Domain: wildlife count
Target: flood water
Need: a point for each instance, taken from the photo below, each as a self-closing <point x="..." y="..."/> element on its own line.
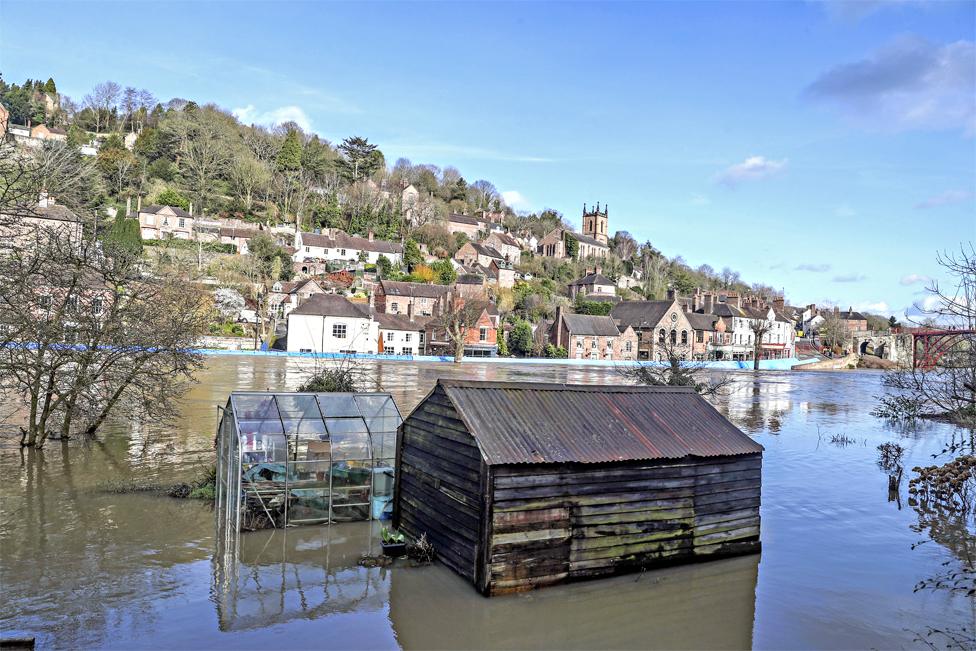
<point x="82" y="566"/>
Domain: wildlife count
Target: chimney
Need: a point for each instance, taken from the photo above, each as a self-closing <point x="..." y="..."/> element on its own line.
<point x="370" y="235"/>
<point x="670" y="293"/>
<point x="779" y="303"/>
<point x="139" y="203"/>
<point x="410" y="311"/>
<point x="128" y="206"/>
<point x="191" y="209"/>
<point x="709" y="303"/>
<point x="42" y="200"/>
<point x="558" y="325"/>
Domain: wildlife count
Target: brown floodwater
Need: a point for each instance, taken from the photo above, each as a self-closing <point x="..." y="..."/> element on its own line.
<point x="84" y="567"/>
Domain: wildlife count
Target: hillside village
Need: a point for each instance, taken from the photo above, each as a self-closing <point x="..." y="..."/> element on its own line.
<point x="315" y="248"/>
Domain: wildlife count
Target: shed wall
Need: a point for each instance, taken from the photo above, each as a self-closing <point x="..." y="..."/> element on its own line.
<point x="439" y="484"/>
<point x="553" y="523"/>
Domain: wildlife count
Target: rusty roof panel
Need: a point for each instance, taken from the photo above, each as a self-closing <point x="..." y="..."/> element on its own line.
<point x="556" y="423"/>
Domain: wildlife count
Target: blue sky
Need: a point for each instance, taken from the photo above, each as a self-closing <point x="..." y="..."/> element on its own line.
<point x="828" y="148"/>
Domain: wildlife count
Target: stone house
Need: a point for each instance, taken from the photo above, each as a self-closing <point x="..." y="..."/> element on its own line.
<point x="334" y="245"/>
<point x="411" y="299"/>
<point x="46" y="218"/>
<point x="162" y="222"/>
<point x="239" y="237"/>
<point x="593" y="337"/>
<point x="660" y="326"/>
<point x="286" y="296"/>
<point x="505" y="244"/>
<point x="473" y="253"/>
<point x="504" y="273"/>
<point x="593" y="283"/>
<point x="470" y="226"/>
<point x="553" y="245"/>
<point x="471" y="287"/>
<point x="44" y="132"/>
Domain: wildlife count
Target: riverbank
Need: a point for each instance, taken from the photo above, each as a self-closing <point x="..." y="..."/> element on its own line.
<point x="784" y="364"/>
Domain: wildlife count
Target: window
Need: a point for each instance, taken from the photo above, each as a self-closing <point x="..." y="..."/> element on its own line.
<point x="388" y="350"/>
<point x="629" y="346"/>
<point x="609" y="345"/>
<point x="308" y="249"/>
<point x="389" y="336"/>
<point x="339" y="330"/>
<point x="406" y="350"/>
<point x="579" y="344"/>
<point x="165" y="221"/>
<point x="45" y="302"/>
<point x="182" y="223"/>
<point x="96" y="306"/>
<point x="304" y="350"/>
<point x="699" y="336"/>
<point x="661" y="335"/>
<point x="342" y="253"/>
<point x="72" y="303"/>
<point x="395" y="308"/>
<point x="593" y="343"/>
<point x="684" y="337"/>
<point x="325" y="252"/>
<point x="674" y="337"/>
<point x="407" y="336"/>
<point x="483" y="334"/>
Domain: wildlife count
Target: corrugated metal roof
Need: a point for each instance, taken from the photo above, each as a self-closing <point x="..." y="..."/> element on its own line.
<point x="556" y="423"/>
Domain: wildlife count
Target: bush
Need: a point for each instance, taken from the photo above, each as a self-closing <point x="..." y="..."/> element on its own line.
<point x="594" y="308"/>
<point x="555" y="352"/>
<point x="520" y="338"/>
<point x="210" y="247"/>
<point x="171" y="197"/>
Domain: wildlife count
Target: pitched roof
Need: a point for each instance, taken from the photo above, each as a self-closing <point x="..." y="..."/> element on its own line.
<point x="155" y="208"/>
<point x="522" y="422"/>
<point x="397" y="322"/>
<point x="704" y="322"/>
<point x="332" y="305"/>
<point x="505" y="239"/>
<point x="590" y="325"/>
<point x="343" y="240"/>
<point x="243" y="233"/>
<point x="470" y="279"/>
<point x="483" y="249"/>
<point x="463" y="219"/>
<point x="592" y="279"/>
<point x="422" y="290"/>
<point x="851" y="315"/>
<point x="586" y="239"/>
<point x="640" y="314"/>
<point x="57" y="211"/>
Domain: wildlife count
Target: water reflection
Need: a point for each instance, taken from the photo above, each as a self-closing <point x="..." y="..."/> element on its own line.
<point x="313" y="573"/>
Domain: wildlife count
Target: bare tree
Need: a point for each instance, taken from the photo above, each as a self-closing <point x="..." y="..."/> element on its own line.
<point x="759" y="328"/>
<point x="948" y="387"/>
<point x="833" y="331"/>
<point x="129" y="104"/>
<point x="55" y="169"/>
<point x="101" y="100"/>
<point x="248" y="177"/>
<point x="677" y="373"/>
<point x="87" y="337"/>
<point x="457" y="322"/>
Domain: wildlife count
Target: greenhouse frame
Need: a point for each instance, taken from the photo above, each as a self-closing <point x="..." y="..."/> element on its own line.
<point x="287" y="459"/>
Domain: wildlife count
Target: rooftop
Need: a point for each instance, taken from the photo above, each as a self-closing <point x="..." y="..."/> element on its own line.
<point x="592" y="279"/>
<point x="422" y="290"/>
<point x="332" y="305"/>
<point x="521" y="422"/>
<point x="589" y="325"/>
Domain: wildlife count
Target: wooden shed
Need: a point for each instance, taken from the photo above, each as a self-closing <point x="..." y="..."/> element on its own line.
<point x="521" y="485"/>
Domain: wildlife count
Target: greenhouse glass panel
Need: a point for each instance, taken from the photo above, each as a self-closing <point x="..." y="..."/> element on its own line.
<point x="303" y="458"/>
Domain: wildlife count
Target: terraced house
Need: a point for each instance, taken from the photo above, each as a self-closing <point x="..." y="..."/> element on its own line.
<point x="593" y="337"/>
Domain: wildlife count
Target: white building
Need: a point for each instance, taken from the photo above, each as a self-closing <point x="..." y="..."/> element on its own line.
<point x="328" y="323"/>
<point x="399" y="335"/>
<point x="334" y="245"/>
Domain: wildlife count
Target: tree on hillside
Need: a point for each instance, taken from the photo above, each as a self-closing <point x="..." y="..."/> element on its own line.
<point x="206" y="153"/>
<point x="101" y="101"/>
<point x="50" y="88"/>
<point x="520" y="338"/>
<point x="289" y="157"/>
<point x="360" y="159"/>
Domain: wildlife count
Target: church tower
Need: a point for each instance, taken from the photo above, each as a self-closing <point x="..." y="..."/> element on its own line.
<point x="596" y="223"/>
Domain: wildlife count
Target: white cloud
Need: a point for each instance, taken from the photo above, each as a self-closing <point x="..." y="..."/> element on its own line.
<point x="947" y="198"/>
<point x="815" y="268"/>
<point x="751" y="169"/>
<point x="912" y="279"/>
<point x="909" y="84"/>
<point x="516" y="200"/>
<point x="879" y="307"/>
<point x="250" y="115"/>
<point x="850" y="278"/>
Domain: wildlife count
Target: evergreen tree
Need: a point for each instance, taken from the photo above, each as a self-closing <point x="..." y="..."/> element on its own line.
<point x="520" y="338"/>
<point x="359" y="158"/>
<point x="49" y="87"/>
<point x="289" y="157"/>
<point x="412" y="255"/>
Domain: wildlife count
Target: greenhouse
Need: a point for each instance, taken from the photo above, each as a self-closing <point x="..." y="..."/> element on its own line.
<point x="287" y="459"/>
